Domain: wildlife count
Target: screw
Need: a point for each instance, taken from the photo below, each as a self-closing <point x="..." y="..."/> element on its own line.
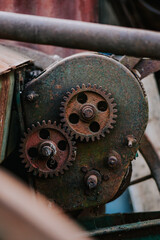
<point x="87" y="112"/>
<point x="92" y="181"/>
<point x="46" y="151"/>
<point x="112" y="162"/>
<point x="131" y="141"/>
<point x="31" y="96"/>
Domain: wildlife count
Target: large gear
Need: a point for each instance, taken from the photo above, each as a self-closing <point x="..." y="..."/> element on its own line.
<point x="47" y="150"/>
<point x="88" y="112"/>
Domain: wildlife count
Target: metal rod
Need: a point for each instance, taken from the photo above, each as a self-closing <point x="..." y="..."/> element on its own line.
<point x="126" y="228"/>
<point x="141" y="179"/>
<point x="80" y="35"/>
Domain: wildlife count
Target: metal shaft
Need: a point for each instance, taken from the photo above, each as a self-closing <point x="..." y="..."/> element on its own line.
<point x="80" y="35"/>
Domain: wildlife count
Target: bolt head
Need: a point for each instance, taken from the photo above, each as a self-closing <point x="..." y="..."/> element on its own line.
<point x="92" y="181"/>
<point x="87" y="112"/>
<point x="112" y="162"/>
<point x="46" y="151"/>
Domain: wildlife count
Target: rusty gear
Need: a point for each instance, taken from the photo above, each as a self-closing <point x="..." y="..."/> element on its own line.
<point x="47" y="150"/>
<point x="88" y="112"/>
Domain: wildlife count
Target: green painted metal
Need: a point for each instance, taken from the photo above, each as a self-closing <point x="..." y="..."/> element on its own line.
<point x="69" y="190"/>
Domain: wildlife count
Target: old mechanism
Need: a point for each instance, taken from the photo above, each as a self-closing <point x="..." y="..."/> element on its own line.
<point x="71" y="127"/>
<point x="103" y="112"/>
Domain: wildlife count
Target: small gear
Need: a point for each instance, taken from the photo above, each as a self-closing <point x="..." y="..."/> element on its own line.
<point x="88" y="112"/>
<point x="47" y="150"/>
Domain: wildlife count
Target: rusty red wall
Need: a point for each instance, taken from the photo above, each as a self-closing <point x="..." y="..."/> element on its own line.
<point x="83" y="10"/>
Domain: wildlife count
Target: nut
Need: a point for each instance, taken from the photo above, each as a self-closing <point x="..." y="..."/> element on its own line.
<point x="112" y="162"/>
<point x="92" y="181"/>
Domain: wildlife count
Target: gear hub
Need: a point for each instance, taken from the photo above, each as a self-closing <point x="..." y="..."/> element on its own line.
<point x="88" y="112"/>
<point x="47" y="149"/>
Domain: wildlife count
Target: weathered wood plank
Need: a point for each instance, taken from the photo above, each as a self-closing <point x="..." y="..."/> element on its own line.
<point x="6" y="96"/>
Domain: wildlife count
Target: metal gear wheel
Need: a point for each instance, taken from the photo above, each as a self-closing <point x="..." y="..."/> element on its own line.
<point x="47" y="150"/>
<point x="88" y="112"/>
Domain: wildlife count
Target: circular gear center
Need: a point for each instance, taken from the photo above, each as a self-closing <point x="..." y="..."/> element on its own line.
<point x="88" y="112"/>
<point x="47" y="149"/>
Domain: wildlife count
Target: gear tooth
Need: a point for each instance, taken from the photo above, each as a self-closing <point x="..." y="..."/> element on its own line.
<point x="100" y="87"/>
<point x="115" y="110"/>
<point x="25" y="134"/>
<point x="60" y="125"/>
<point x="23" y="161"/>
<point x="43" y="122"/>
<point x="92" y="137"/>
<point x="113" y="121"/>
<point x="114" y="104"/>
<point x="49" y="122"/>
<point x="111" y="100"/>
<point x="98" y="137"/>
<point x="63" y="120"/>
<point x="62" y="103"/>
<point x="62" y="109"/>
<point x="89" y="85"/>
<point x="27" y="165"/>
<point x="38" y="124"/>
<point x="21" y="145"/>
<point x="65" y="98"/>
<point x="45" y="175"/>
<point x="81" y="137"/>
<point x="28" y="130"/>
<point x="77" y="87"/>
<point x="95" y="86"/>
<point x="55" y="123"/>
<point x="68" y="93"/>
<point x="61" y="114"/>
<point x="73" y="143"/>
<point x="30" y="169"/>
<point x="83" y="86"/>
<point x="103" y="134"/>
<point x="87" y="139"/>
<point x="109" y="95"/>
<point x="33" y="126"/>
<point x="73" y="90"/>
<point x="114" y="116"/>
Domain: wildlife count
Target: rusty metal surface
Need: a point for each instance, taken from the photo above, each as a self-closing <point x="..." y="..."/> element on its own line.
<point x="151" y="158"/>
<point x="88" y="112"/>
<point x="26" y="215"/>
<point x="10" y="60"/>
<point x="77" y="10"/>
<point x="131" y="120"/>
<point x="47" y="149"/>
<point x="81" y="35"/>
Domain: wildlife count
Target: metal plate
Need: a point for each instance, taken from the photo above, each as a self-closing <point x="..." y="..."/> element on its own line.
<point x="69" y="190"/>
